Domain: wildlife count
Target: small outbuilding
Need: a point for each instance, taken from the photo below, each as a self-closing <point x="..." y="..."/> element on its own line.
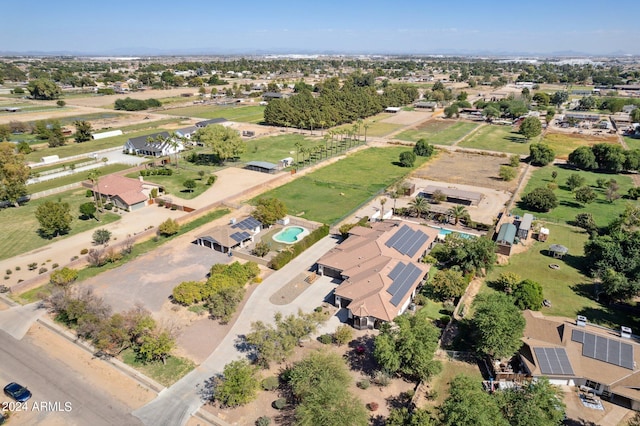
<point x="261" y="166"/>
<point x="104" y="135"/>
<point x="206" y="123"/>
<point x="525" y="226"/>
<point x="543" y="234"/>
<point x="558" y="251"/>
<point x="506" y="238"/>
<point x="392" y="110"/>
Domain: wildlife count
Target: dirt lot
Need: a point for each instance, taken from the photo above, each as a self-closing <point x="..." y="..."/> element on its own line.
<point x="360" y="369"/>
<point x="98" y="101"/>
<point x="469" y="169"/>
<point x="436" y="125"/>
<point x="408" y="117"/>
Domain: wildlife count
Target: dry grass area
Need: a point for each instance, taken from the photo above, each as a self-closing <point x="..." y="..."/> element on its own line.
<point x="465" y="168"/>
<point x="408" y="117"/>
<point x="564" y="143"/>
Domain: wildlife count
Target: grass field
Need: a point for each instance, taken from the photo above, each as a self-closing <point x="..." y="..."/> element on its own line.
<point x="275" y="148"/>
<point x="68" y="121"/>
<point x="330" y="193"/>
<point x="243" y="114"/>
<point x="72" y="148"/>
<point x="174" y="184"/>
<point x="603" y="211"/>
<point x="20" y="226"/>
<point x="567" y="288"/>
<point x="498" y="138"/>
<point x="438" y="132"/>
<point x="151" y="125"/>
<point x="632" y="143"/>
<point x="450" y="369"/>
<point x="564" y="144"/>
<point x="376" y="127"/>
<point x="76" y="177"/>
<point x="165" y="374"/>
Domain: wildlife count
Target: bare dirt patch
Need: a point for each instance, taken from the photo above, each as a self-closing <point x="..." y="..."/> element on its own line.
<point x="435" y="126"/>
<point x="93" y="370"/>
<point x="466" y="168"/>
<point x="407" y="117"/>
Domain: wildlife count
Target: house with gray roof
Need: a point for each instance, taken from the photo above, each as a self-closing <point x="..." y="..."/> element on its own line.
<point x="153" y="145"/>
<point x="506" y="238"/>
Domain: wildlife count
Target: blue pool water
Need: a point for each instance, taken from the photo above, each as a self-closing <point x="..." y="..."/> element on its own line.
<point x="288" y="235"/>
<point x="444" y="232"/>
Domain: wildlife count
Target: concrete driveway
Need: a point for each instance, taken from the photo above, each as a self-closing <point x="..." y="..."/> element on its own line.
<point x="150" y="279"/>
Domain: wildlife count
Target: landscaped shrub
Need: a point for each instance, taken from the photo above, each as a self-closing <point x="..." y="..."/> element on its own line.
<point x="381" y="378"/>
<point x="263" y="421"/>
<point x="364" y="384"/>
<point x="279" y="403"/>
<point x="325" y="339"/>
<point x="373" y="406"/>
<point x="9" y="272"/>
<point x="55" y="265"/>
<point x="270" y="383"/>
<point x="18" y="268"/>
<point x="42" y="270"/>
<point x="285" y="257"/>
<point x="33" y="266"/>
<point x="84" y="251"/>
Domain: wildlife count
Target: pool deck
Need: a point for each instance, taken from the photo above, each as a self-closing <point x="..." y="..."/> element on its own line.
<point x="298" y="236"/>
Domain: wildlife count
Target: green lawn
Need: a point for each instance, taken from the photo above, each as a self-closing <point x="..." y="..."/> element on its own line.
<point x="451" y="369"/>
<point x="603" y="211"/>
<point x="72" y="148"/>
<point x="376" y="126"/>
<point x="165" y="374"/>
<point x="330" y="193"/>
<point x="632" y="143"/>
<point x="497" y="138"/>
<point x="244" y="114"/>
<point x="563" y="144"/>
<point x="20" y="227"/>
<point x="275" y="148"/>
<point x="437" y="134"/>
<point x="567" y="288"/>
<point x="77" y="177"/>
<point x="174" y="184"/>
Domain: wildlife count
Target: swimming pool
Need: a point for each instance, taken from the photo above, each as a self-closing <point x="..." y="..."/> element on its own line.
<point x="290" y="235"/>
<point x="444" y="232"/>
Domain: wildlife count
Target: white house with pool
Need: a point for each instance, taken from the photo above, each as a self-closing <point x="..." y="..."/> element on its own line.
<point x="380" y="270"/>
<point x="237" y="234"/>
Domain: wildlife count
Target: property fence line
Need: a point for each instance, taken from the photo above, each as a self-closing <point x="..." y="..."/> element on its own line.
<point x="65" y="168"/>
<point x="57" y="190"/>
<point x="73" y="157"/>
<point x="355" y="209"/>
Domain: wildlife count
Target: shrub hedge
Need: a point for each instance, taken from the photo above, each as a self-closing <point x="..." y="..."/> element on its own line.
<point x="285" y="257"/>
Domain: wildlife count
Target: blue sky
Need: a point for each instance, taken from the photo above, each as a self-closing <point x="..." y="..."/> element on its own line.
<point x="392" y="26"/>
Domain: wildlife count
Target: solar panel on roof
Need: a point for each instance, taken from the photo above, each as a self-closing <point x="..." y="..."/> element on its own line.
<point x="394" y="274"/>
<point x="577" y="336"/>
<point x="407" y="241"/>
<point x="397" y="236"/>
<point x="553" y="361"/>
<point x="419" y="240"/>
<point x="603" y="349"/>
<point x="407" y="278"/>
<point x="589" y="345"/>
<point x="626" y="356"/>
<point x="248" y="223"/>
<point x="565" y="364"/>
<point x="240" y="236"/>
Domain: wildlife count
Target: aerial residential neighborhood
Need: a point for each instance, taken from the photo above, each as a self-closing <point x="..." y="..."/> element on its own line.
<point x="392" y="216"/>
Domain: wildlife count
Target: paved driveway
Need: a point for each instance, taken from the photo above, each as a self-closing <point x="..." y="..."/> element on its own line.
<point x="150" y="279"/>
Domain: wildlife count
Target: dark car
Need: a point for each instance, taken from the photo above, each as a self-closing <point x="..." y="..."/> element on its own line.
<point x="17" y="392"/>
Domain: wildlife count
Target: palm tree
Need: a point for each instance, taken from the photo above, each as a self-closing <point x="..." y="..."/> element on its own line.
<point x="301" y="125"/>
<point x="458" y="212"/>
<point x="419" y="206"/>
<point x="366" y="126"/>
<point x="326" y="145"/>
<point x="355" y="131"/>
<point x="394" y="194"/>
<point x="383" y="201"/>
<point x="93" y="176"/>
<point x="323" y="125"/>
<point x="359" y="127"/>
<point x="298" y="146"/>
<point x="318" y="150"/>
<point x="175" y="142"/>
<point x="311" y="123"/>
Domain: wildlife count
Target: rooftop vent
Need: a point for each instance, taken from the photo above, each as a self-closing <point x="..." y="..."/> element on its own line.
<point x="581" y="321"/>
<point x="625" y="332"/>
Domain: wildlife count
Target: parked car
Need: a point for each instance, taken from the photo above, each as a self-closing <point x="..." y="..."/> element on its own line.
<point x="17" y="392"/>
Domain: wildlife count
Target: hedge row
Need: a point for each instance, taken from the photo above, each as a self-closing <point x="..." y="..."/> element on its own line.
<point x="285" y="257"/>
<point x="159" y="171"/>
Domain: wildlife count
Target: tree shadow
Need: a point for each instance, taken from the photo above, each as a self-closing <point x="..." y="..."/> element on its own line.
<point x="571" y="204"/>
<point x="242" y="346"/>
<point x="516" y="139"/>
<point x="585" y="290"/>
<point x="398" y="401"/>
<point x="360" y="355"/>
<point x="206" y="389"/>
<point x="377" y="420"/>
<point x="611" y="315"/>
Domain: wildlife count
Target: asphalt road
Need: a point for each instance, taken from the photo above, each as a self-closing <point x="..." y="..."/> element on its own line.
<point x="51" y="382"/>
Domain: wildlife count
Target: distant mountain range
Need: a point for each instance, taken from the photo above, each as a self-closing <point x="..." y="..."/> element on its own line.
<point x="147" y="51"/>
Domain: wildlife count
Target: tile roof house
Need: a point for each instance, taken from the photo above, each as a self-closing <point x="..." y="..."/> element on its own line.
<point x="380" y="270"/>
<point x="235" y="234"/>
<point x="581" y="354"/>
<point x="125" y="193"/>
<point x="154" y="145"/>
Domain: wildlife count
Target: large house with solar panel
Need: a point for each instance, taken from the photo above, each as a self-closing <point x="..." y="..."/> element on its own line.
<point x="581" y="354"/>
<point x="154" y="145"/>
<point x="234" y="235"/>
<point x="380" y="270"/>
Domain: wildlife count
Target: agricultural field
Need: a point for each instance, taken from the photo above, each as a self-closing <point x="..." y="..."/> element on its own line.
<point x="498" y="138"/>
<point x="275" y="148"/>
<point x="243" y="114"/>
<point x="438" y="132"/>
<point x="20" y="226"/>
<point x="332" y="192"/>
<point x="563" y="144"/>
<point x="567" y="288"/>
<point x="603" y="211"/>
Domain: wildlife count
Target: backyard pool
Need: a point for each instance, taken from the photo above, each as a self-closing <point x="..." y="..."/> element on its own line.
<point x="290" y="235"/>
<point x="444" y="232"/>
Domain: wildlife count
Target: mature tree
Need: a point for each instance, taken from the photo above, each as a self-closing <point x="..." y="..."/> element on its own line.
<point x="451" y="111"/>
<point x="528" y="295"/>
<point x="419" y="206"/>
<point x="542" y="98"/>
<point x="537" y="404"/>
<point x="575" y="180"/>
<point x="224" y="297"/>
<point x="469" y="404"/>
<point x="618" y="287"/>
<point x="490" y="112"/>
<point x="585" y="195"/>
<point x="156" y="347"/>
<point x="583" y="158"/>
<point x="448" y="284"/>
<point x="408" y="349"/>
<point x="343" y="334"/>
<point x="13" y="174"/>
<point x="224" y="142"/>
<point x="63" y="277"/>
<point x="507" y="282"/>
<point x="498" y="325"/>
<point x="101" y="236"/>
<point x="404" y="417"/>
<point x="559" y="98"/>
<point x="44" y="89"/>
<point x="190" y="184"/>
<point x="54" y="218"/>
<point x="5" y="132"/>
<point x="238" y="385"/>
<point x="168" y="227"/>
<point x="586" y="222"/>
<point x="471" y="255"/>
<point x="530" y="127"/>
<point x="88" y="210"/>
<point x="407" y="159"/>
<point x="458" y="212"/>
<point x="423" y="149"/>
<point x="83" y="131"/>
<point x="611" y="193"/>
<point x="541" y="154"/>
<point x="609" y="157"/>
<point x="269" y="210"/>
<point x="507" y="173"/>
<point x="540" y="200"/>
